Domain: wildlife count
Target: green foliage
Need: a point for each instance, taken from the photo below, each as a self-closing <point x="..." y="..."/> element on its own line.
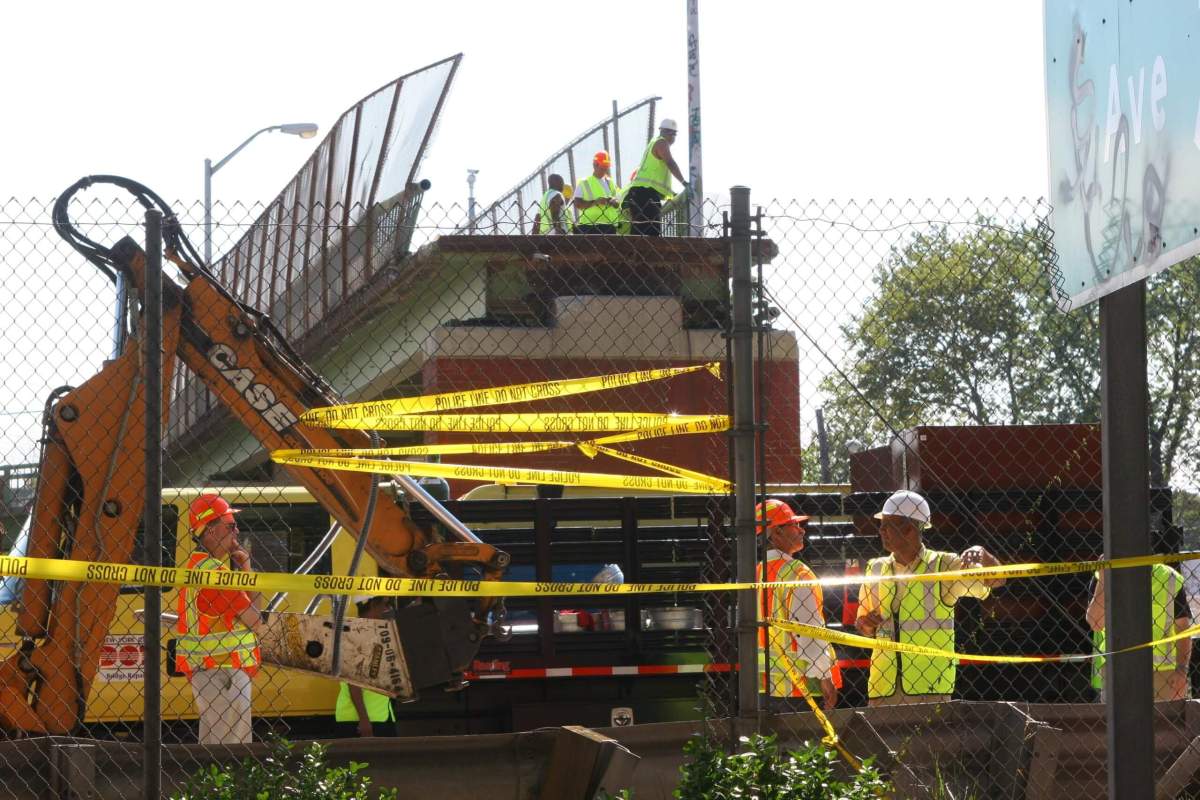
<point x="763" y="772"/>
<point x="962" y="329"/>
<point x="283" y="774"/>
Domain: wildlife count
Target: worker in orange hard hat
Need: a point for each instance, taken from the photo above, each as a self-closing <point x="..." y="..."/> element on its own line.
<point x="790" y="666"/>
<point x="217" y="646"/>
<point x="596" y="198"/>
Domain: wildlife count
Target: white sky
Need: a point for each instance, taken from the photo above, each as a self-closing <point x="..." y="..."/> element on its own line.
<point x="866" y="99"/>
<point x="872" y="98"/>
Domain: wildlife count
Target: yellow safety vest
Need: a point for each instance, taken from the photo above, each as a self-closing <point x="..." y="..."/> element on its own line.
<point x="593" y="188"/>
<point x="546" y="219"/>
<point x="653" y="172"/>
<point x="379" y="706"/>
<point x="1164" y="585"/>
<point x="914" y="613"/>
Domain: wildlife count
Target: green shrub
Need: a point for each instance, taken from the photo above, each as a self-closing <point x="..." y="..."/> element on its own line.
<point x="762" y="772"/>
<point x="283" y="774"/>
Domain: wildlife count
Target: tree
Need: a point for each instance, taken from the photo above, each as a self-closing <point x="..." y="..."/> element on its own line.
<point x="963" y="329"/>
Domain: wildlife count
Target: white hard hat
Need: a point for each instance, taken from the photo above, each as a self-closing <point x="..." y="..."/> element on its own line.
<point x="906" y="503"/>
<point x="359" y="599"/>
<point x="610" y="574"/>
<point x="668" y="124"/>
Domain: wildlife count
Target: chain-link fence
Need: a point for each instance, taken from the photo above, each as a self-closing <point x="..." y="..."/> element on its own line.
<point x="430" y="311"/>
<point x="933" y="357"/>
<point x="911" y="345"/>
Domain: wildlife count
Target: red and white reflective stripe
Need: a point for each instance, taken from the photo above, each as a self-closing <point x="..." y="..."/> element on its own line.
<point x="600" y="672"/>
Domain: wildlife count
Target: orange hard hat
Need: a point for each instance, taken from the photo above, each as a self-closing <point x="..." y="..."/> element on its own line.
<point x="601" y="159"/>
<point x="207" y="508"/>
<point x="777" y="514"/>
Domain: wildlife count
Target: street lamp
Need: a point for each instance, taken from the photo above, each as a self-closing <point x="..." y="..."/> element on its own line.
<point x="305" y="130"/>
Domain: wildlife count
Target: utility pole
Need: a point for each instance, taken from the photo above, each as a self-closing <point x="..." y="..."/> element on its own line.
<point x="695" y="161"/>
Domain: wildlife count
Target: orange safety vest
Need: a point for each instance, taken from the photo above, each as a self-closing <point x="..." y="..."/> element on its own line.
<point x="208" y="641"/>
<point x="774" y="677"/>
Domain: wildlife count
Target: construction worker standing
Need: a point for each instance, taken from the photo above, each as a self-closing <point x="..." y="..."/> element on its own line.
<point x="552" y="215"/>
<point x="596" y="199"/>
<point x="217" y="646"/>
<point x="653" y="182"/>
<point x="360" y="711"/>
<point x="784" y="659"/>
<point x="912" y="612"/>
<point x="1169" y="606"/>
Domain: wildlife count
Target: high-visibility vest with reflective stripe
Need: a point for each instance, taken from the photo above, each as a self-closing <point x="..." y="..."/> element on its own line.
<point x="653" y="172"/>
<point x="379" y="706"/>
<point x="546" y="217"/>
<point x="206" y="641"/>
<point x="1164" y="585"/>
<point x="922" y="617"/>
<point x="593" y="188"/>
<point x="777" y="649"/>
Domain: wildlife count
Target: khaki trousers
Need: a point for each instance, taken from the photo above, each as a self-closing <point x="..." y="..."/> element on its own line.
<point x="223" y="702"/>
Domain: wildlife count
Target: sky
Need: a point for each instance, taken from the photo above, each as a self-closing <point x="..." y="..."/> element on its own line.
<point x="865" y="99"/>
<point x="800" y="100"/>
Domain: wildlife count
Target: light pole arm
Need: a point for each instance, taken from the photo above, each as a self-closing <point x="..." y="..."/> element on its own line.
<point x="209" y="169"/>
<point x="239" y="148"/>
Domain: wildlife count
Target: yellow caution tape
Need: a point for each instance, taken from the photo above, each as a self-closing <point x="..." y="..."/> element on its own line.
<point x="368" y="415"/>
<point x="508" y="475"/>
<point x="831" y="738"/>
<point x="697" y="424"/>
<point x="100" y="572"/>
<point x="669" y="469"/>
<point x="709" y="424"/>
<point x="131" y="574"/>
<point x="855" y="640"/>
<point x="1004" y="571"/>
<point x="533" y="422"/>
<point x="467" y="448"/>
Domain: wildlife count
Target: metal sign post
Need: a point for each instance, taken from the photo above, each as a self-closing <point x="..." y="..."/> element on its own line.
<point x="1128" y="678"/>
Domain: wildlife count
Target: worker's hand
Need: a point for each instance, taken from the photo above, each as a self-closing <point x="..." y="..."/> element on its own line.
<point x="612" y="202"/>
<point x="868" y="623"/>
<point x="365" y="728"/>
<point x="1177" y="686"/>
<point x="977" y="556"/>
<point x="240" y="559"/>
<point x="829" y="691"/>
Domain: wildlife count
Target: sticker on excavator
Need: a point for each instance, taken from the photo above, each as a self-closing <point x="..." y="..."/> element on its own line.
<point x="371" y="654"/>
<point x="122" y="658"/>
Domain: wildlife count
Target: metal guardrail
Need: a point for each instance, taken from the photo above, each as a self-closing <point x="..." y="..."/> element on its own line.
<point x="17" y="484"/>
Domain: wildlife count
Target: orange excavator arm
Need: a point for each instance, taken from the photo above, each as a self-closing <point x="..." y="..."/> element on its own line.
<point x="90" y="486"/>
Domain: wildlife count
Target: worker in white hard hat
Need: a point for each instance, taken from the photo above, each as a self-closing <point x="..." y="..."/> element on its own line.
<point x="914" y="612"/>
<point x="653" y="182"/>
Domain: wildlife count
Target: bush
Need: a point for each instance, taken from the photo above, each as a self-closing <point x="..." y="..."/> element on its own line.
<point x="763" y="772"/>
<point x="283" y="774"/>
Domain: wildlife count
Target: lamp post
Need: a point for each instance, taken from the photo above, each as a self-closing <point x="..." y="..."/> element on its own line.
<point x="305" y="130"/>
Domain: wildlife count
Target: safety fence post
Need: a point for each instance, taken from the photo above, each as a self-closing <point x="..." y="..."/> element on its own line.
<point x="152" y="512"/>
<point x="743" y="447"/>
